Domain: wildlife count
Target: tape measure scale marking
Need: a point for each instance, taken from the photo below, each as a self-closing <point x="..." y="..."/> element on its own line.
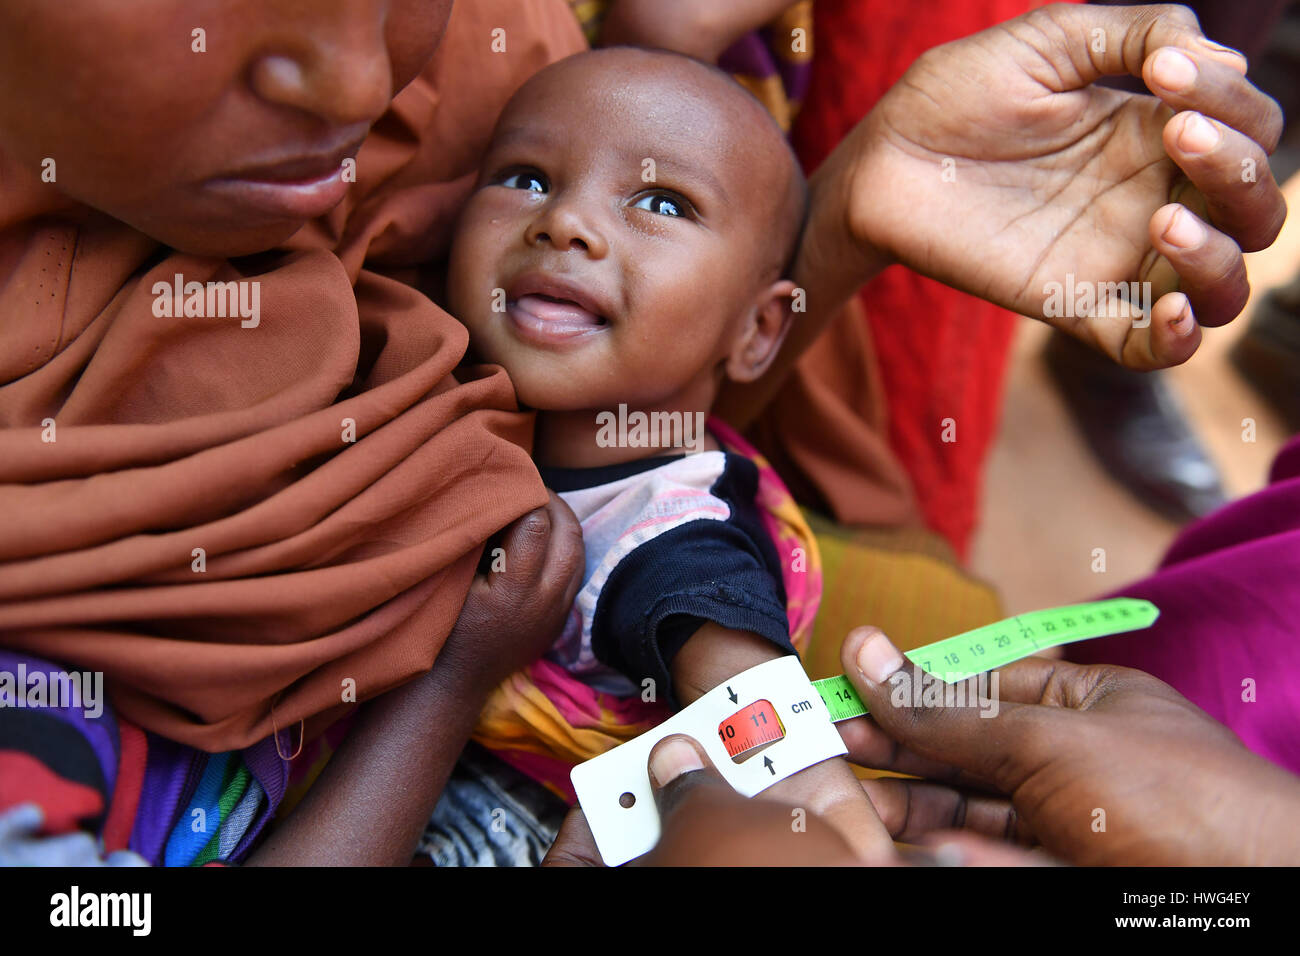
<point x="1001" y="643"/>
<point x="749" y="729"/>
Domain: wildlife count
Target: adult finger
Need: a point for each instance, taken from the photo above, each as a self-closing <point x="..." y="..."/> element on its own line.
<point x="574" y="845"/>
<point x="1192" y="79"/>
<point x="911" y="809"/>
<point x="1002" y="750"/>
<point x="962" y="848"/>
<point x="706" y="823"/>
<point x="1102" y="41"/>
<point x="1232" y="175"/>
<point x="1210" y="267"/>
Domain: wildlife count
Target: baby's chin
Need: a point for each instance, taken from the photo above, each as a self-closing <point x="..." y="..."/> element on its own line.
<point x="548" y="397"/>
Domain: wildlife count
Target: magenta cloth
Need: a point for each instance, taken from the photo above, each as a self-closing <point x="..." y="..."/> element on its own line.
<point x="1229" y="597"/>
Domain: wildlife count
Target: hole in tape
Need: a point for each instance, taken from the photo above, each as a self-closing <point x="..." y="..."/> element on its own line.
<point x="751" y="730"/>
<point x="627" y="800"/>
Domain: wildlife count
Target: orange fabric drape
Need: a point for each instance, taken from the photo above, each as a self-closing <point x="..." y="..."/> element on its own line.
<point x="201" y="527"/>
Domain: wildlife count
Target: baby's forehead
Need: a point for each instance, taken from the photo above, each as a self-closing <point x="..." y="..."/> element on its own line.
<point x="648" y="105"/>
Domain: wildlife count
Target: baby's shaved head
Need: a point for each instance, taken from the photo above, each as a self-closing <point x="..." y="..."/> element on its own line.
<point x="705" y="103"/>
<point x="763" y="134"/>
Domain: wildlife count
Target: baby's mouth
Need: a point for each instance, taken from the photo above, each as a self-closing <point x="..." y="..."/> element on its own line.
<point x="553" y="316"/>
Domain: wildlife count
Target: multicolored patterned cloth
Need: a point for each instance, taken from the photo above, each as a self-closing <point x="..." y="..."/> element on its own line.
<point x="171" y="804"/>
<point x="543" y="721"/>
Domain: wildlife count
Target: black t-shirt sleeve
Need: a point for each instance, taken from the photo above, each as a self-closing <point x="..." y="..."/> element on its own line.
<point x="666" y="589"/>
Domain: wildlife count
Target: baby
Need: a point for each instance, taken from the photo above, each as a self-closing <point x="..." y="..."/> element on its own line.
<point x="624" y="252"/>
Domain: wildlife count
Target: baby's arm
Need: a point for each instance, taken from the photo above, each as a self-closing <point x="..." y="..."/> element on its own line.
<point x="713" y="655"/>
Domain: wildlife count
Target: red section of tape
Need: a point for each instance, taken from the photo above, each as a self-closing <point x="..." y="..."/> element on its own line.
<point x="750" y="727"/>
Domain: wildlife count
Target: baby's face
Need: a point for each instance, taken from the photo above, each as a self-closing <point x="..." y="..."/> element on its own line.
<point x="626" y="216"/>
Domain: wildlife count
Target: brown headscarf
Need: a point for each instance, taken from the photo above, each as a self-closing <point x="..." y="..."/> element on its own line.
<point x="322" y="559"/>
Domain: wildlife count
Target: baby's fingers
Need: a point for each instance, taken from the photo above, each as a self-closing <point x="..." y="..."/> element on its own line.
<point x="543" y="549"/>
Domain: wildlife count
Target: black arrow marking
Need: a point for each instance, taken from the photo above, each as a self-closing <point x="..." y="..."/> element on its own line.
<point x="732" y="693"/>
<point x="767" y="762"/>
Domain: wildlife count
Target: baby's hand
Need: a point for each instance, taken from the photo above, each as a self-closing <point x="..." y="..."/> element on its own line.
<point x="517" y="606"/>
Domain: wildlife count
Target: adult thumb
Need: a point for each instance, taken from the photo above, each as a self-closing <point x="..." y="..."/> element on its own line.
<point x="965" y="725"/>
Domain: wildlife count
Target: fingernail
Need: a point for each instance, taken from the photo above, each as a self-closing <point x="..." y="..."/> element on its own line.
<point x="1184" y="322"/>
<point x="672" y="759"/>
<point x="1173" y="70"/>
<point x="1220" y="48"/>
<point x="878" y="658"/>
<point x="1199" y="135"/>
<point x="1184" y="230"/>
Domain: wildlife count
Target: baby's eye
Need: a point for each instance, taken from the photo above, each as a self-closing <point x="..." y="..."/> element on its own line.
<point x="534" y="182"/>
<point x="662" y="204"/>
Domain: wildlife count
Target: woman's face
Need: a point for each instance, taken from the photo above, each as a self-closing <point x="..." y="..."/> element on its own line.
<point x="216" y="126"/>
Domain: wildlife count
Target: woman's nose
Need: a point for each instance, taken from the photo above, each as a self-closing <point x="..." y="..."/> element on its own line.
<point x="333" y="64"/>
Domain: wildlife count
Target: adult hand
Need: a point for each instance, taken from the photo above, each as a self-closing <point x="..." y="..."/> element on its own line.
<point x="995" y="166"/>
<point x="707" y="823"/>
<point x="1100" y="765"/>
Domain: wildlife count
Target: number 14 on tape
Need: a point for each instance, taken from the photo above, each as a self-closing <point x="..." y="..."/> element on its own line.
<point x="771" y="721"/>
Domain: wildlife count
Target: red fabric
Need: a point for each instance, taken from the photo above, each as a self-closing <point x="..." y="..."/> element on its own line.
<point x="126" y="793"/>
<point x="941" y="353"/>
<point x="24" y="779"/>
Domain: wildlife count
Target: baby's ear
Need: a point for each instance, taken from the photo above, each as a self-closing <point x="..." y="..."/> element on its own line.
<point x="764" y="330"/>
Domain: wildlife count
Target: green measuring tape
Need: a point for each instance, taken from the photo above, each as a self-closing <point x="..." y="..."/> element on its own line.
<point x="996" y="645"/>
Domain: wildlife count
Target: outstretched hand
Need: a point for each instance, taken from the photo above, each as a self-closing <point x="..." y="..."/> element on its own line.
<point x="996" y="166"/>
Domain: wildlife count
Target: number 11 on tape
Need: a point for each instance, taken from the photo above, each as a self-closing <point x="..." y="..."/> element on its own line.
<point x="771" y="721"/>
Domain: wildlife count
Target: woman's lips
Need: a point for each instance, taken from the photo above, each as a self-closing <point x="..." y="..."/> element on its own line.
<point x="545" y="320"/>
<point x="285" y="199"/>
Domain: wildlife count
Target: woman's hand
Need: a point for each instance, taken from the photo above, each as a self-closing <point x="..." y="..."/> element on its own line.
<point x="707" y="823"/>
<point x="995" y="166"/>
<point x="1100" y="765"/>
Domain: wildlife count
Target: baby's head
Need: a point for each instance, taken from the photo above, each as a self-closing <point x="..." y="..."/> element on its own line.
<point x="630" y="235"/>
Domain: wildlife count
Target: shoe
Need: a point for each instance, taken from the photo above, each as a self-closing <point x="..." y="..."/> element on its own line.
<point x="1135" y="427"/>
<point x="1268" y="354"/>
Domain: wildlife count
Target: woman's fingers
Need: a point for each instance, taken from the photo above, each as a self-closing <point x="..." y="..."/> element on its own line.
<point x="1192" y="79"/>
<point x="962" y="848"/>
<point x="1000" y="746"/>
<point x="869" y="746"/>
<point x="706" y="823"/>
<point x="1210" y="267"/>
<point x="912" y="809"/>
<point x="574" y="845"/>
<point x="1231" y="172"/>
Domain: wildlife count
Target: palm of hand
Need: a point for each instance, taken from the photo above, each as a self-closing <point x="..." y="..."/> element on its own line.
<point x="1129" y="769"/>
<point x="1024" y="186"/>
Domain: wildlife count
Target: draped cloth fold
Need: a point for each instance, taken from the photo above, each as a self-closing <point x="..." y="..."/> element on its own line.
<point x="234" y="521"/>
